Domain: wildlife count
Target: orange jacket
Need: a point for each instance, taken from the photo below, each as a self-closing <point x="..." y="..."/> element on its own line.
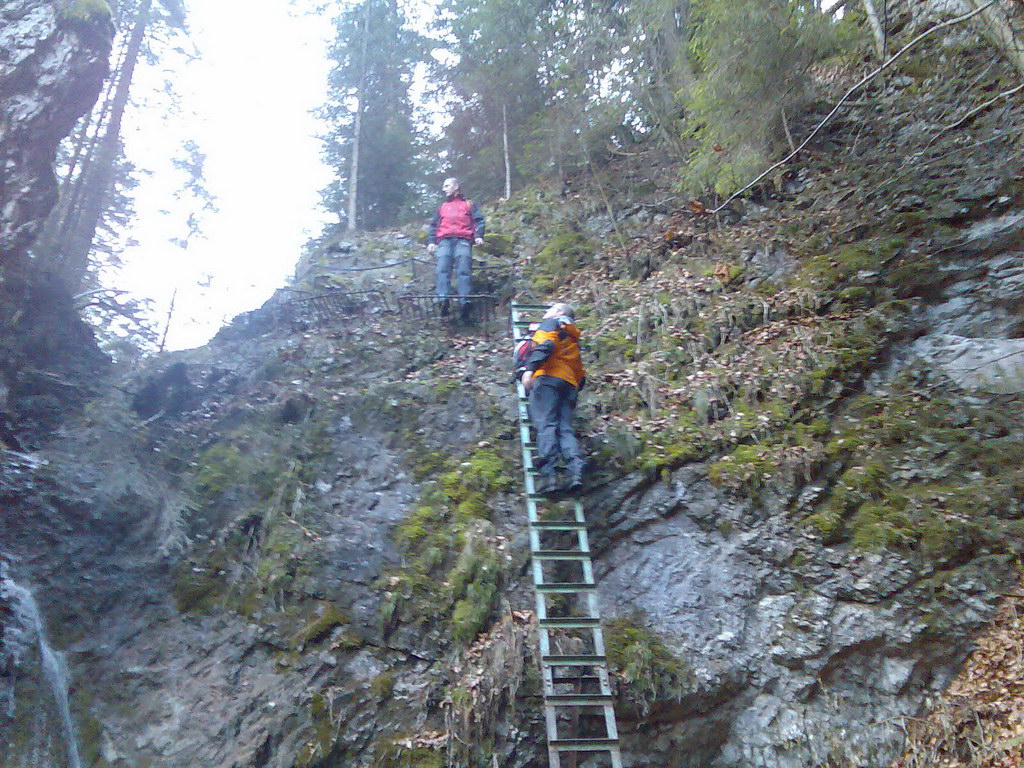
<point x="557" y="351"/>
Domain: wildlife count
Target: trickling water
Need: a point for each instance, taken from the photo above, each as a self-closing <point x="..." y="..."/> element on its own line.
<point x="54" y="667"/>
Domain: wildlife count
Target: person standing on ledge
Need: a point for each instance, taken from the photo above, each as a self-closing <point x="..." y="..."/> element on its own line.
<point x="554" y="376"/>
<point x="456" y="226"/>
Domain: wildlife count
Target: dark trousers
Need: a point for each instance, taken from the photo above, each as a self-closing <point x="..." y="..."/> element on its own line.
<point x="552" y="403"/>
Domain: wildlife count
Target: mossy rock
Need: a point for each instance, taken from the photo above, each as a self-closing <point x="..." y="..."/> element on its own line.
<point x="383" y="685"/>
<point x="199" y="588"/>
<point x="315" y="751"/>
<point x="563" y="255"/>
<point x="475" y="580"/>
<point x="220" y="466"/>
<point x="834" y="269"/>
<point x="398" y="755"/>
<point x="926" y="476"/>
<point x="497" y="245"/>
<point x="650" y="671"/>
<point x="747" y="465"/>
<point x="916" y="278"/>
<point x="472" y="483"/>
<point x="90" y="730"/>
<point x="87" y="10"/>
<point x="326" y="618"/>
<point x="874" y="526"/>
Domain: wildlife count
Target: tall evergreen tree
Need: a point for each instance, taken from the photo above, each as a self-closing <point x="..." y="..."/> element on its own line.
<point x="372" y="141"/>
<point x="94" y="205"/>
<point x="492" y="86"/>
<point x="558" y="81"/>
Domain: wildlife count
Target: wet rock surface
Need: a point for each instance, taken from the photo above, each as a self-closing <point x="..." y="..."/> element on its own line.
<point x="780" y="645"/>
<point x="50" y="73"/>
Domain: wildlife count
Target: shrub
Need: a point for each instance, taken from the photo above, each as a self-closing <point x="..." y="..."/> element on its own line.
<point x="753" y="57"/>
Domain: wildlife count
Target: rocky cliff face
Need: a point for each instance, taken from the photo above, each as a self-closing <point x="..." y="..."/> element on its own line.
<point x="53" y="58"/>
<point x="302" y="545"/>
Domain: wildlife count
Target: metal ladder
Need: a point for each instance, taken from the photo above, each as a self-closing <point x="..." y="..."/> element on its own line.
<point x="582" y="669"/>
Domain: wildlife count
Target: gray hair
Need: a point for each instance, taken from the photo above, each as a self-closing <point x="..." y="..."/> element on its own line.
<point x="453" y="179"/>
<point x="561" y="308"/>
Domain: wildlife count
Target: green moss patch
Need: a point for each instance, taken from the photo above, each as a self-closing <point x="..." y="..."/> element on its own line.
<point x="496" y="244"/>
<point x="199" y="587"/>
<point x="87" y="10"/>
<point x="650" y="672"/>
<point x="927" y="475"/>
<point x="860" y="261"/>
<point x="470" y="484"/>
<point x="453" y="565"/>
<point x="326" y="618"/>
<point x="408" y="754"/>
<point x="564" y="254"/>
<point x="317" y="749"/>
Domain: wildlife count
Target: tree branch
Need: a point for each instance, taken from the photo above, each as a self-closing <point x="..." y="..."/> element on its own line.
<point x="976" y="110"/>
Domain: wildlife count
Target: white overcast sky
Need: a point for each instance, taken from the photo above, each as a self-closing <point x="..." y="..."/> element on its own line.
<point x="246" y="102"/>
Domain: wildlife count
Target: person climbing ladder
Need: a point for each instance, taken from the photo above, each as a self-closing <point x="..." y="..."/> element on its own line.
<point x="554" y="376"/>
<point x="575" y="679"/>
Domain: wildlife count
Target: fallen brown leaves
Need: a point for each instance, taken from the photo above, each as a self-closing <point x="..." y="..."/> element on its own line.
<point x="488" y="675"/>
<point x="426" y="739"/>
<point x="979" y="721"/>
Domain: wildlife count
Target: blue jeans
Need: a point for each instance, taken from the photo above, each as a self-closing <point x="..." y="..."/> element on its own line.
<point x="460" y="252"/>
<point x="552" y="403"/>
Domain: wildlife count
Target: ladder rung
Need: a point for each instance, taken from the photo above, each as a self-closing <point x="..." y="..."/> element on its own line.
<point x="569" y="622"/>
<point x="566" y="586"/>
<point x="567" y="678"/>
<point x="583" y="745"/>
<point x="559" y="525"/>
<point x="573" y="660"/>
<point x="560" y="554"/>
<point x="537" y="498"/>
<point x="579" y="699"/>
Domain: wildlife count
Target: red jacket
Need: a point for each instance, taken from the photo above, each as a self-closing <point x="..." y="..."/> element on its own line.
<point x="457" y="217"/>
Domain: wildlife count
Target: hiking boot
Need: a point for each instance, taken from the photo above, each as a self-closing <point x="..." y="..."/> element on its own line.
<point x="548" y="485"/>
<point x="464" y="312"/>
<point x="574" y="485"/>
<point x="444" y="308"/>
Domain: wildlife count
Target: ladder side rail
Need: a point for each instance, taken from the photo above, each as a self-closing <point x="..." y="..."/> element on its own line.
<point x="586" y="588"/>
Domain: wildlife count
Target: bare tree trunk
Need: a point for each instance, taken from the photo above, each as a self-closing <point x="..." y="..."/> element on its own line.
<point x="93" y="123"/>
<point x="83" y="216"/>
<point x="1006" y="33"/>
<point x="785" y="128"/>
<point x="876" y="29"/>
<point x="52" y="240"/>
<point x="508" y="160"/>
<point x="79" y="146"/>
<point x="353" y="181"/>
<point x="167" y="323"/>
